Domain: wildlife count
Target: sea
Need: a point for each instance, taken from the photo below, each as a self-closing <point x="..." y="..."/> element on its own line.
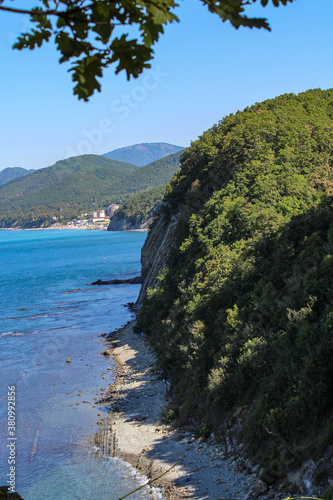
<point x="49" y="408"/>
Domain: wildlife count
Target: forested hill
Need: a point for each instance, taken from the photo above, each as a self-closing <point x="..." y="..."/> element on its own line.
<point x="139" y="211"/>
<point x="143" y="154"/>
<point x="11" y="173"/>
<point x="146" y="188"/>
<point x="155" y="174"/>
<point x="67" y="187"/>
<point x="77" y="185"/>
<point x="242" y="319"/>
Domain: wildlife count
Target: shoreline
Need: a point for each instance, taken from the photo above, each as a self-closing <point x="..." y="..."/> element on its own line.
<point x="70" y="227"/>
<point x="150" y="445"/>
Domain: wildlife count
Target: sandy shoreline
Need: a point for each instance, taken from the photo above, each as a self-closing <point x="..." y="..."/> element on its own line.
<point x="153" y="447"/>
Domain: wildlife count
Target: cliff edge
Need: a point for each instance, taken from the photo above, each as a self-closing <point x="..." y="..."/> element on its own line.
<point x="121" y="223"/>
<point x="155" y="252"/>
<point x="242" y="321"/>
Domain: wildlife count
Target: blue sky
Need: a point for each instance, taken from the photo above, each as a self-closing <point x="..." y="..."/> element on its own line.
<point x="203" y="70"/>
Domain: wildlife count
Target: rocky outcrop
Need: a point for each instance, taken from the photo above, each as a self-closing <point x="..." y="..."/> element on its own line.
<point x="155" y="252"/>
<point x="130" y="281"/>
<point x="5" y="492"/>
<point x="120" y="223"/>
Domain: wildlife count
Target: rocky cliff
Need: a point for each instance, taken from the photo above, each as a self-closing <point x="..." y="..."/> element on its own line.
<point x="242" y="320"/>
<point x="121" y="223"/>
<point x="155" y="252"/>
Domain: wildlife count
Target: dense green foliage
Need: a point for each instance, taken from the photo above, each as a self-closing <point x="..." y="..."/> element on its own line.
<point x="141" y="207"/>
<point x="242" y="319"/>
<point x="67" y="188"/>
<point x="143" y="154"/>
<point x="11" y="173"/>
<point x="89" y="34"/>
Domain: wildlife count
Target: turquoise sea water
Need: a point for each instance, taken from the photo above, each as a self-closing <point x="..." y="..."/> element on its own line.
<point x="49" y="314"/>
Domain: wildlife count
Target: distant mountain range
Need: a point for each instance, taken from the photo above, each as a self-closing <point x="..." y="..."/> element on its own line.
<point x="143" y="154"/>
<point x="77" y="185"/>
<point x="155" y="174"/>
<point x="11" y="173"/>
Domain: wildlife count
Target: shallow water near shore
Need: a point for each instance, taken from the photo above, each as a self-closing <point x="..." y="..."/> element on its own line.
<point x="47" y="315"/>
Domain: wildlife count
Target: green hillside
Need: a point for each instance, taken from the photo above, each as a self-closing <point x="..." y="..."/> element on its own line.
<point x="155" y="174"/>
<point x="140" y="208"/>
<point x="11" y="173"/>
<point x="242" y="319"/>
<point x="142" y="154"/>
<point x="66" y="188"/>
<point x="77" y="185"/>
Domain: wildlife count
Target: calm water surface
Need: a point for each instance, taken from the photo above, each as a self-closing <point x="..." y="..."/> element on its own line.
<point x="49" y="314"/>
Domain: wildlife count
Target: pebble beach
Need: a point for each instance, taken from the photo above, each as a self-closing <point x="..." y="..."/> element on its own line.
<point x="140" y="436"/>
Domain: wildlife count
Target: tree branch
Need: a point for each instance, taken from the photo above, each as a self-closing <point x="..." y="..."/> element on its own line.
<point x="63" y="14"/>
<point x="37" y="12"/>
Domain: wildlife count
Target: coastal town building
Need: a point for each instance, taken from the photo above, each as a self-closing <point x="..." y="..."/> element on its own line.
<point x="99" y="219"/>
<point x="98" y="216"/>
